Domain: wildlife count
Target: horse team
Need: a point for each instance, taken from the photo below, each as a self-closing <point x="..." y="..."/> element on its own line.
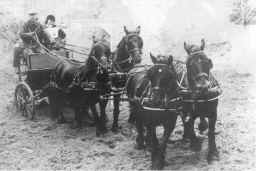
<point x="156" y="86"/>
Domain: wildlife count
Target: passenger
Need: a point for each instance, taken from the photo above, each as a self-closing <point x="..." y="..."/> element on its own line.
<point x="56" y="34"/>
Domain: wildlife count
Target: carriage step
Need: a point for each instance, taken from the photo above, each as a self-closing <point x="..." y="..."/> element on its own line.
<point x="44" y="99"/>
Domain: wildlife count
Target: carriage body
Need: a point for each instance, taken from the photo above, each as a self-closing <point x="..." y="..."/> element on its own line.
<point x="34" y="75"/>
<point x="39" y="70"/>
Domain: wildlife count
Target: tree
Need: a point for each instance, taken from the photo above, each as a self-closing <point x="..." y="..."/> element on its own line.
<point x="244" y="12"/>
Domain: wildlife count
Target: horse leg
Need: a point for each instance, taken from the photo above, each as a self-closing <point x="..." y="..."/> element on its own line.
<point x="157" y="157"/>
<point x="61" y="119"/>
<point x="185" y="127"/>
<point x="213" y="152"/>
<point x="116" y="113"/>
<point x="103" y="104"/>
<point x="140" y="135"/>
<point x="132" y="116"/>
<point x="203" y="125"/>
<point x="97" y="120"/>
<point x="89" y="119"/>
<point x="148" y="138"/>
<point x="195" y="142"/>
<point x="168" y="128"/>
<point x="78" y="119"/>
<point x="55" y="108"/>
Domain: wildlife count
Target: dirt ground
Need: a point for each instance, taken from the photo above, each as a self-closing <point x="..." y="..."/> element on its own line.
<point x="41" y="144"/>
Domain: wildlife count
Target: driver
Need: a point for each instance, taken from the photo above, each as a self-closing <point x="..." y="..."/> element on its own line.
<point x="29" y="29"/>
<point x="28" y="42"/>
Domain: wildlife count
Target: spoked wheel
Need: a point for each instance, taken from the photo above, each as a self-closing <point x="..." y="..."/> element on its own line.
<point x="24" y="100"/>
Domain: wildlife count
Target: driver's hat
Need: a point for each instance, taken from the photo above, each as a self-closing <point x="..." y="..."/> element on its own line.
<point x="32" y="12"/>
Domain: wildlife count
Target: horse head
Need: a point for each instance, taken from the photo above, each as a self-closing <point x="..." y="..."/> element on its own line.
<point x="198" y="67"/>
<point x="163" y="78"/>
<point x="97" y="64"/>
<point x="129" y="49"/>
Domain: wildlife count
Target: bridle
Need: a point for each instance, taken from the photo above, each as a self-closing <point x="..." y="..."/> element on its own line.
<point x="130" y="58"/>
<point x="201" y="73"/>
<point x="169" y="69"/>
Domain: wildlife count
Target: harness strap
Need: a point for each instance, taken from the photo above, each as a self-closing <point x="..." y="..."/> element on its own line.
<point x="196" y="52"/>
<point x="181" y="81"/>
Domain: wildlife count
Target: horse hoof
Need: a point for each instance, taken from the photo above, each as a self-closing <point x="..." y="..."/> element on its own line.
<point x="61" y="121"/>
<point x="185" y="137"/>
<point x="157" y="165"/>
<point x="97" y="133"/>
<point x="196" y="146"/>
<point x="166" y="163"/>
<point x="139" y="146"/>
<point x="149" y="148"/>
<point x="104" y="131"/>
<point x="213" y="156"/>
<point x="91" y="124"/>
<point x="131" y="121"/>
<point x="115" y="129"/>
<point x="76" y="126"/>
<point x="101" y="131"/>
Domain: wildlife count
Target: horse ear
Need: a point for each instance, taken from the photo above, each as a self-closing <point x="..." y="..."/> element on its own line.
<point x="125" y="30"/>
<point x="202" y="44"/>
<point x="93" y="39"/>
<point x="210" y="63"/>
<point x="153" y="58"/>
<point x="186" y="47"/>
<point x="138" y="30"/>
<point x="170" y="59"/>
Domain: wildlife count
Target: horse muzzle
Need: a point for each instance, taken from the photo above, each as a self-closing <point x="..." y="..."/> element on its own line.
<point x="156" y="96"/>
<point x="136" y="56"/>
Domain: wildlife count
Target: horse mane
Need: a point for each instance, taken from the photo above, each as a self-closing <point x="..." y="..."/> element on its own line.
<point x="121" y="43"/>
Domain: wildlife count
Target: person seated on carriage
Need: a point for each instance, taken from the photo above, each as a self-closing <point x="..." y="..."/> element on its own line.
<point x="31" y="34"/>
<point x="56" y="34"/>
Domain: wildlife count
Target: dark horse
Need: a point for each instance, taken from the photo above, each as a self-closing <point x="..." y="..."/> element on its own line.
<point x="81" y="85"/>
<point x="201" y="83"/>
<point x="125" y="57"/>
<point x="159" y="82"/>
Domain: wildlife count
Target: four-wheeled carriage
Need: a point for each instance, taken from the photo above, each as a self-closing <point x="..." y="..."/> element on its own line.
<point x="35" y="73"/>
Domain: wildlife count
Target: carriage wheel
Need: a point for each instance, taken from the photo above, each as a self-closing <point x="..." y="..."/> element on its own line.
<point x="24" y="100"/>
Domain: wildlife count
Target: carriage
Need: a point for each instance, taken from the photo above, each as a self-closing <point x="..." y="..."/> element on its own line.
<point x="34" y="73"/>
